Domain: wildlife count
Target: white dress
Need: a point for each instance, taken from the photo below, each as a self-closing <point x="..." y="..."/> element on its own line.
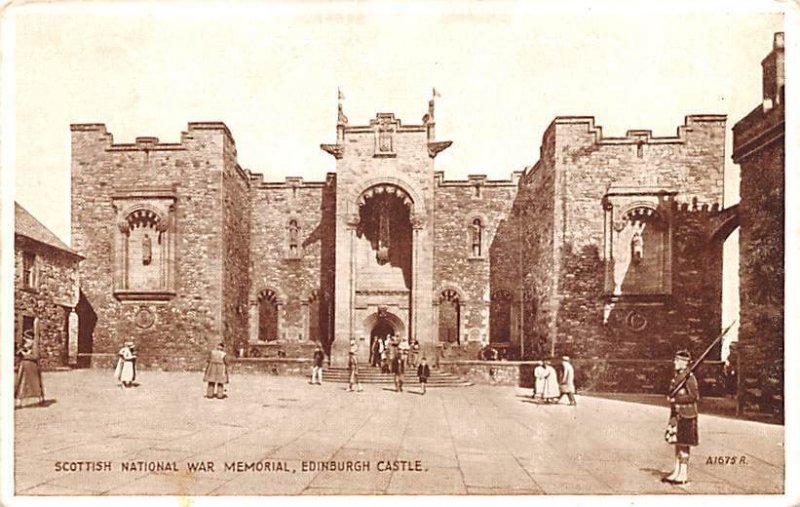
<point x="126" y="370"/>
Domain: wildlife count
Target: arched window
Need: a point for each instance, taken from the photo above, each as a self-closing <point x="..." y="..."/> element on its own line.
<point x="313" y="317"/>
<point x="500" y="317"/>
<point x="267" y="316"/>
<point x="294" y="238"/>
<point x="476" y="237"/>
<point x="449" y="316"/>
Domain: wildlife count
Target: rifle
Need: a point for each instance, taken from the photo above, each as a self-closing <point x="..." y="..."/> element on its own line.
<point x="684" y="376"/>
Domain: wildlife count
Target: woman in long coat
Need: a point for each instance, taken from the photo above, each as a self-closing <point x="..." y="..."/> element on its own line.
<point x="216" y="375"/>
<point x="126" y="365"/>
<point x="551" y="392"/>
<point x="28" y="383"/>
<point x="538" y="375"/>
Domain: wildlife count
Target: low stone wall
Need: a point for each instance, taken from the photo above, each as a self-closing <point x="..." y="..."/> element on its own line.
<point x="591" y="375"/>
<point x="271" y="366"/>
<point x="598" y="375"/>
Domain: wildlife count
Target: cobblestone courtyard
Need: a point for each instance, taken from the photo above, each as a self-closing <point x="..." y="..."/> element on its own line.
<point x="468" y="440"/>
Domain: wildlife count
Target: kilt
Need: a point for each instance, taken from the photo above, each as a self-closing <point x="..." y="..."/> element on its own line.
<point x="687" y="431"/>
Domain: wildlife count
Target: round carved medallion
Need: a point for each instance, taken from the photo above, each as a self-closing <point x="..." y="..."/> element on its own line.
<point x="145" y="318"/>
<point x="636" y="321"/>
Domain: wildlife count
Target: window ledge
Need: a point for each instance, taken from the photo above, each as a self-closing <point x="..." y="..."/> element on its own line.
<point x="135" y="296"/>
<point x="473" y="258"/>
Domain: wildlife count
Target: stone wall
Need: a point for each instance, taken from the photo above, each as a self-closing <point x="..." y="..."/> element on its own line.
<point x="48" y="302"/>
<point x="236" y="237"/>
<point x="569" y="184"/>
<point x="178" y="330"/>
<point x="456" y="205"/>
<point x="592" y="375"/>
<point x="295" y="277"/>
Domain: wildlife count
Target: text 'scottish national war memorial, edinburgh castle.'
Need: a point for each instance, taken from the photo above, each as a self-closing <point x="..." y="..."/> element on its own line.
<point x="608" y="249"/>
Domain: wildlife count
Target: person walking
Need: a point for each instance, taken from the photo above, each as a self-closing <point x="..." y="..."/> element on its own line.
<point x="567" y="383"/>
<point x="28" y="383"/>
<point x="352" y="366"/>
<point x="538" y="384"/>
<point x="423" y="372"/>
<point x="126" y="364"/>
<point x="413" y="354"/>
<point x="216" y="374"/>
<point x="399" y="370"/>
<point x="550" y="391"/>
<point x="316" y="370"/>
<point x="682" y="430"/>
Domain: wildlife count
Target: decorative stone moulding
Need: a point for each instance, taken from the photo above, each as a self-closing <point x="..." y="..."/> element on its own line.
<point x="638" y="243"/>
<point x="144" y="244"/>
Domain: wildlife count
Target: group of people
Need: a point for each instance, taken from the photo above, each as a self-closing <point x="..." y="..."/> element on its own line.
<point x="384" y="348"/>
<point x="550" y="386"/>
<point x="394" y="356"/>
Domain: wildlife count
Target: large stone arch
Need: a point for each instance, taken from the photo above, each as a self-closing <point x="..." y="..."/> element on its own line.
<point x="418" y="204"/>
<point x="396" y="322"/>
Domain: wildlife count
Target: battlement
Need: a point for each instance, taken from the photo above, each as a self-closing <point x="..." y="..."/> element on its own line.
<point x="257" y="180"/>
<point x="149" y="143"/>
<point x="477" y="179"/>
<point x="639" y="136"/>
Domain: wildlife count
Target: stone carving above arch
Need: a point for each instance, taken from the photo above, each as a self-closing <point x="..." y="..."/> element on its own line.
<point x="409" y="189"/>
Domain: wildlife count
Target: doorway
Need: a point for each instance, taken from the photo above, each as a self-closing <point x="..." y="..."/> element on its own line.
<point x="377" y="341"/>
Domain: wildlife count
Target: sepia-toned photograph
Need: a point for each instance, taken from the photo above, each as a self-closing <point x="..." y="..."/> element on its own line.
<point x="484" y="249"/>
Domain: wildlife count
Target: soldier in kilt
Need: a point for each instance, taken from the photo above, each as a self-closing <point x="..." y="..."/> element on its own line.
<point x="682" y="430"/>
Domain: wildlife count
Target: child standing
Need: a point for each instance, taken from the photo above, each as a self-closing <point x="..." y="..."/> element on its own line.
<point x="423" y="372"/>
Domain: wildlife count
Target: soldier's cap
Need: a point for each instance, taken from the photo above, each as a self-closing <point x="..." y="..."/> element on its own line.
<point x="565" y="358"/>
<point x="129" y="344"/>
<point x="683" y="354"/>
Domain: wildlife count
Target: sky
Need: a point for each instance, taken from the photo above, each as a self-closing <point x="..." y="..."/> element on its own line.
<point x="271" y="71"/>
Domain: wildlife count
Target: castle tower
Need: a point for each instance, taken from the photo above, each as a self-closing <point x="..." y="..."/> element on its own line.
<point x="384" y="231"/>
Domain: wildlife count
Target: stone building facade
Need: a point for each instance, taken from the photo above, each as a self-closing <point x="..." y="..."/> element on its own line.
<point x="185" y="248"/>
<point x="758" y="147"/>
<point x="46" y="291"/>
<point x="620" y="245"/>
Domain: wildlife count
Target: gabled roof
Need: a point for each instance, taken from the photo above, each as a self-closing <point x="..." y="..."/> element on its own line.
<point x="26" y="225"/>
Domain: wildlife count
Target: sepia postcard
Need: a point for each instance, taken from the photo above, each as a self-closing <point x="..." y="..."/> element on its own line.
<point x="491" y="251"/>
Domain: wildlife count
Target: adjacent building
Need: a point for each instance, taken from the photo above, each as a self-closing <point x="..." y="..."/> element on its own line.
<point x="759" y="149"/>
<point x="46" y="291"/>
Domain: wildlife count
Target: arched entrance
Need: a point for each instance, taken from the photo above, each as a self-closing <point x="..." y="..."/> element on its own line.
<point x="378" y="325"/>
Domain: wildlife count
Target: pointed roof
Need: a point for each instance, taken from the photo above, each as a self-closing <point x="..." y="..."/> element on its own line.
<point x="26" y="225"/>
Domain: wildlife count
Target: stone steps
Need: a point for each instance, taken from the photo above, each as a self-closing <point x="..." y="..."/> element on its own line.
<point x="370" y="375"/>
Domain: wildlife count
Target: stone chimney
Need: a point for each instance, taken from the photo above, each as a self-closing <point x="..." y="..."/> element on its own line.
<point x="773" y="74"/>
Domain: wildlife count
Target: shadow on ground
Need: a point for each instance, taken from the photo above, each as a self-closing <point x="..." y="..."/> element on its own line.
<point x="723" y="407"/>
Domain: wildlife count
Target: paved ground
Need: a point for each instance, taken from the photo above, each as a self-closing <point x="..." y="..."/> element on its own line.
<point x="469" y="440"/>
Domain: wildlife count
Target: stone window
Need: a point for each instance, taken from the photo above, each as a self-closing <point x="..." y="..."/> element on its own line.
<point x="449" y="316"/>
<point x="29" y="270"/>
<point x="500" y="317"/>
<point x="144" y="244"/>
<point x="267" y="316"/>
<point x="293" y="250"/>
<point x="476" y="233"/>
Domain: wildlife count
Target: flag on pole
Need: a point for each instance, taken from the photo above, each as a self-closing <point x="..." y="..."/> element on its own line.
<point x="436" y="94"/>
<point x="341" y="95"/>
